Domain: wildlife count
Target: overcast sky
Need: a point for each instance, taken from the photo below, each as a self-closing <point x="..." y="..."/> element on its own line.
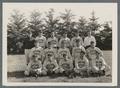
<point x="105" y="11"/>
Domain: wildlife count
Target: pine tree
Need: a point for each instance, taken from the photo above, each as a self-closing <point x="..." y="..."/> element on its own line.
<point x="82" y="26"/>
<point x="15" y="30"/>
<point x="67" y="24"/>
<point x="51" y="22"/>
<point x="35" y="23"/>
<point x="93" y="25"/>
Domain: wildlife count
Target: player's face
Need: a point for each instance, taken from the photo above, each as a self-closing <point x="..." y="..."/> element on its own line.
<point x="92" y="44"/>
<point x="77" y="44"/>
<point x="63" y="45"/>
<point x="89" y="33"/>
<point x="40" y="34"/>
<point x="36" y="44"/>
<point x="35" y="59"/>
<point x="77" y="34"/>
<point x="65" y="35"/>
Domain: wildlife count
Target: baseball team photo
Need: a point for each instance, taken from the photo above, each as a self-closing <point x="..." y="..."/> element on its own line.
<point x="59" y="42"/>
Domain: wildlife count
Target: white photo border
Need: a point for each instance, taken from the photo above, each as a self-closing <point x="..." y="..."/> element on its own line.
<point x="114" y="61"/>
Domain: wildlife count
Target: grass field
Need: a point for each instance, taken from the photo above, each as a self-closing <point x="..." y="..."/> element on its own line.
<point x="16" y="66"/>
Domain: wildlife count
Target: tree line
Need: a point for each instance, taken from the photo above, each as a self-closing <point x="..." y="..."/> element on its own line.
<point x="19" y="27"/>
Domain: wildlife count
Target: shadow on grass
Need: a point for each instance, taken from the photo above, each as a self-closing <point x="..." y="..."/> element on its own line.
<point x="17" y="74"/>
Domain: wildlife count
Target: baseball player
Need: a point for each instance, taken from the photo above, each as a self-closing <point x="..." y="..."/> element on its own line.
<point x="53" y="40"/>
<point x="66" y="41"/>
<point x="100" y="67"/>
<point x="50" y="50"/>
<point x="65" y="60"/>
<point x="73" y="40"/>
<point x="81" y="65"/>
<point x="77" y="49"/>
<point x="34" y="67"/>
<point x="92" y="54"/>
<point x="36" y="51"/>
<point x="88" y="39"/>
<point x="50" y="65"/>
<point x="41" y="40"/>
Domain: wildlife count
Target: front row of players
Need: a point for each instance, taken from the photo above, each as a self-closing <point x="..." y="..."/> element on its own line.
<point x="89" y="62"/>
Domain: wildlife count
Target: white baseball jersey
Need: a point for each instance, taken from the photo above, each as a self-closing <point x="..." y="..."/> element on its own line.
<point x="53" y="41"/>
<point x="77" y="51"/>
<point x="88" y="40"/>
<point x="81" y="63"/>
<point x="66" y="41"/>
<point x="92" y="52"/>
<point x="41" y="40"/>
<point x="64" y="51"/>
<point x="34" y="65"/>
<point x="73" y="41"/>
<point x="36" y="51"/>
<point x="50" y="51"/>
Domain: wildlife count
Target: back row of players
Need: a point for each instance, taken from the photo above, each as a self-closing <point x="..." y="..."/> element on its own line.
<point x="65" y="56"/>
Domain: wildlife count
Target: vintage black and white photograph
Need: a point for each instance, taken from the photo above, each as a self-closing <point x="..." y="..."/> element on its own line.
<point x="60" y="44"/>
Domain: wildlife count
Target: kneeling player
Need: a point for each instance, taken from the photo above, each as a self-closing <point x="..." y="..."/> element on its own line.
<point x="50" y="65"/>
<point x="96" y="60"/>
<point x="81" y="65"/>
<point x="100" y="68"/>
<point x="34" y="67"/>
<point x="66" y="66"/>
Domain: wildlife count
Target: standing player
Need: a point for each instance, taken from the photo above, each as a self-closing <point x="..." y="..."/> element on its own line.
<point x="53" y="40"/>
<point x="65" y="60"/>
<point x="66" y="41"/>
<point x="73" y="40"/>
<point x="41" y="39"/>
<point x="88" y="40"/>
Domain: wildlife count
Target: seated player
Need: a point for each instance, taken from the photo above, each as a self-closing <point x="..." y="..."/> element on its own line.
<point x="66" y="66"/>
<point x="50" y="50"/>
<point x="50" y="65"/>
<point x="63" y="50"/>
<point x="81" y="65"/>
<point x="92" y="54"/>
<point x="36" y="51"/>
<point x="34" y="67"/>
<point x="99" y="66"/>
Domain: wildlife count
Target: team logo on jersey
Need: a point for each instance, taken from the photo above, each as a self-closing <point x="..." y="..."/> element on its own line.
<point x="63" y="53"/>
<point x="66" y="66"/>
<point x="50" y="66"/>
<point x="81" y="64"/>
<point x="50" y="53"/>
<point x="53" y="41"/>
<point x="35" y="66"/>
